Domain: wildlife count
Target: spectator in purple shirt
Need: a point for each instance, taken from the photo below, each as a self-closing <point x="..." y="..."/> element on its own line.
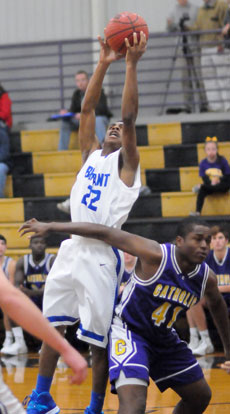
<point x="215" y="173"/>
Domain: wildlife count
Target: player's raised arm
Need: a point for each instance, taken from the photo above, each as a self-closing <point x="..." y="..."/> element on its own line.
<point x="147" y="250"/>
<point x="129" y="108"/>
<point x="87" y="137"/>
<point x="24" y="312"/>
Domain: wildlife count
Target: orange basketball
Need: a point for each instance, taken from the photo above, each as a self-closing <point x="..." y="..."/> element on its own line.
<point x="124" y="25"/>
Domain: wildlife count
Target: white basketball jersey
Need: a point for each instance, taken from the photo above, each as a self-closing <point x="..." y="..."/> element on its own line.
<point x="99" y="195"/>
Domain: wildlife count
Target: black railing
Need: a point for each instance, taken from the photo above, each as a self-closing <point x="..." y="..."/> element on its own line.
<point x="40" y="76"/>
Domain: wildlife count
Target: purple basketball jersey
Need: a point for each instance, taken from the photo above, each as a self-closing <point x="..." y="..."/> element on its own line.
<point x="221" y="269"/>
<point x="151" y="307"/>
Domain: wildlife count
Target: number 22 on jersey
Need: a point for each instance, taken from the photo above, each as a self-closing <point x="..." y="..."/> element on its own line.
<point x="91" y="198"/>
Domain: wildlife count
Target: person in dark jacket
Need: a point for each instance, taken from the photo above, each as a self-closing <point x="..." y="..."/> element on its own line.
<point x="72" y="123"/>
<point x="5" y="125"/>
<point x="215" y="173"/>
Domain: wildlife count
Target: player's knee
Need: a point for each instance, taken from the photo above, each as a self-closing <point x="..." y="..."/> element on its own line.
<point x="206" y="397"/>
<point x="136" y="406"/>
<point x="201" y="400"/>
<point x="132" y="400"/>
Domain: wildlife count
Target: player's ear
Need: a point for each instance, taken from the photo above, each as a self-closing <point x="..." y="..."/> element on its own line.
<point x="179" y="241"/>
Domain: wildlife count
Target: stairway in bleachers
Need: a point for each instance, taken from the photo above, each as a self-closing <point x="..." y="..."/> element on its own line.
<point x="169" y="154"/>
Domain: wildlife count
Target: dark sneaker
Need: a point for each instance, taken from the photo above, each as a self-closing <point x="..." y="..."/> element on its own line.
<point x="40" y="404"/>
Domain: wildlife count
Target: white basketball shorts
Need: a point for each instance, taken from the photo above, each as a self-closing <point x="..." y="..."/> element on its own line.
<point x="83" y="284"/>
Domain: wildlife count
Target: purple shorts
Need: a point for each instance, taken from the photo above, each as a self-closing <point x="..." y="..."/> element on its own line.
<point x="169" y="366"/>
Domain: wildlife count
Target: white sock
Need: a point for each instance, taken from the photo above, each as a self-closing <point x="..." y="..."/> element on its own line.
<point x="204" y="335"/>
<point x="18" y="334"/>
<point x="9" y="335"/>
<point x="193" y="333"/>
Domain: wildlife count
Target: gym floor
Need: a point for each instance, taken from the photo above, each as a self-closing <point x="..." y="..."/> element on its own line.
<point x="20" y="374"/>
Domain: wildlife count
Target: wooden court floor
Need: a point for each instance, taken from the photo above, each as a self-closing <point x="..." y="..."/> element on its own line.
<point x="20" y="374"/>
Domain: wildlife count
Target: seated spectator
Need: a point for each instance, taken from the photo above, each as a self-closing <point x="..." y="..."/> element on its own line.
<point x="214" y="59"/>
<point x="215" y="173"/>
<point x="8" y="266"/>
<point x="5" y="125"/>
<point x="30" y="276"/>
<point x="72" y="124"/>
<point x="219" y="261"/>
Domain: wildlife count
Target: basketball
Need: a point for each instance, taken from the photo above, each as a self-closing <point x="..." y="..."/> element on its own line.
<point x="124" y="25"/>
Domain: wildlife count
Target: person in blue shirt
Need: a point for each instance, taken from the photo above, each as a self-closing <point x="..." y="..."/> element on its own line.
<point x="215" y="173"/>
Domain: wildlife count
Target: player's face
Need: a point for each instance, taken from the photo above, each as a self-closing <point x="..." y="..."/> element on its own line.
<point x="2" y="248"/>
<point x="114" y="133"/>
<point x="219" y="242"/>
<point x="195" y="246"/>
<point x="81" y="81"/>
<point x="38" y="246"/>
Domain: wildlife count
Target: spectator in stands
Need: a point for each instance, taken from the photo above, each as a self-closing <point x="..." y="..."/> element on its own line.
<point x="215" y="60"/>
<point x="226" y="28"/>
<point x="30" y="276"/>
<point x="182" y="13"/>
<point x="8" y="266"/>
<point x="72" y="124"/>
<point x="5" y="125"/>
<point x="219" y="261"/>
<point x="215" y="173"/>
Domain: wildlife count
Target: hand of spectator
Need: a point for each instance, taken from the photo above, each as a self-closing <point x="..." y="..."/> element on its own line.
<point x="26" y="291"/>
<point x="215" y="181"/>
<point x="77" y="116"/>
<point x="63" y="111"/>
<point x="226" y="29"/>
<point x="226" y="366"/>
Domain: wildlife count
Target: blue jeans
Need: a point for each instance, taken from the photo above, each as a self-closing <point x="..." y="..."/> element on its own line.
<point x="3" y="173"/>
<point x="73" y="124"/>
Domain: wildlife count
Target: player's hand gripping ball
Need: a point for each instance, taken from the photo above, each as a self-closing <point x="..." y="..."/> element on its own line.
<point x="123" y="26"/>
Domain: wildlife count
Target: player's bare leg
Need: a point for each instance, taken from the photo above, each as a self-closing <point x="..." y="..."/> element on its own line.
<point x="40" y="397"/>
<point x="194" y="398"/>
<point x="132" y="399"/>
<point x="99" y="368"/>
<point x="49" y="357"/>
<point x="99" y="379"/>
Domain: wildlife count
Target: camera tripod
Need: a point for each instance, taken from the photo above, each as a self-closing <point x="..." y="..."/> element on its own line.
<point x="193" y="79"/>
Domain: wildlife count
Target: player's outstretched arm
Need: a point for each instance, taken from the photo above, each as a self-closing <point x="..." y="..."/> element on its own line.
<point x="145" y="249"/>
<point x="218" y="309"/>
<point x="88" y="140"/>
<point x="129" y="107"/>
<point x="19" y="308"/>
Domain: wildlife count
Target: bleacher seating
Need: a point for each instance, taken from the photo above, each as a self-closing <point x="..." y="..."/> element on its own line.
<point x="169" y="154"/>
